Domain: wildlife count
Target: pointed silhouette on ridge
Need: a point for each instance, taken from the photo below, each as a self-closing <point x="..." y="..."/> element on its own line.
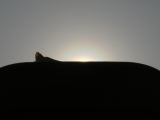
<point x="40" y="58"/>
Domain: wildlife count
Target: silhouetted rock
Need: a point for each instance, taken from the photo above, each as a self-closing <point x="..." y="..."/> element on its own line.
<point x="74" y="86"/>
<point x="40" y="58"/>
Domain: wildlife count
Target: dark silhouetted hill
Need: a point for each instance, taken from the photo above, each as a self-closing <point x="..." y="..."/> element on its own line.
<point x="80" y="87"/>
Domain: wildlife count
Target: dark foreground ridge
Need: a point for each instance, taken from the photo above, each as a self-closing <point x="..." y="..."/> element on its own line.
<point x="52" y="86"/>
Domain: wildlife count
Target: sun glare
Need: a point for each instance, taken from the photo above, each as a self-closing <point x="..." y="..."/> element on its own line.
<point x="83" y="59"/>
<point x="82" y="50"/>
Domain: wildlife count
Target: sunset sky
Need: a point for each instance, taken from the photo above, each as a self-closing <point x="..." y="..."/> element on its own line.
<point x="75" y="30"/>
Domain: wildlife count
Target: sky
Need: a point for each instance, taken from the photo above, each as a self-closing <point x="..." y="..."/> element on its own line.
<point x="74" y="30"/>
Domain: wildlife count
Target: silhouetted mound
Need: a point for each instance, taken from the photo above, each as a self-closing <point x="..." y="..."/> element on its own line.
<point x="48" y="85"/>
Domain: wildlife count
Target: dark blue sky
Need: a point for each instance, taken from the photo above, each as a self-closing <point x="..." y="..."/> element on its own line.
<point x="103" y="30"/>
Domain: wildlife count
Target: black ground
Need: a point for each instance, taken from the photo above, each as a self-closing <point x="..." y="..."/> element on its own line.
<point x="119" y="89"/>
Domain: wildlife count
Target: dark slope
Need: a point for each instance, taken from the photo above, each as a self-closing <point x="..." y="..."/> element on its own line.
<point x="75" y="86"/>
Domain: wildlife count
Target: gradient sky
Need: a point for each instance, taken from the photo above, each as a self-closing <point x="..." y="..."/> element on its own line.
<point x="103" y="30"/>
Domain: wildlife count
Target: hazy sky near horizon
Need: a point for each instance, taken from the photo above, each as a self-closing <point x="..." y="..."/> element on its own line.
<point x="99" y="30"/>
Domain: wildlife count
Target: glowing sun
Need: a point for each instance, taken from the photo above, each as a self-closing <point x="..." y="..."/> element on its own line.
<point x="82" y="59"/>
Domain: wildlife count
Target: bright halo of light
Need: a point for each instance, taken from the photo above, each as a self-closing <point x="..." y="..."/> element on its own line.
<point x="82" y="59"/>
<point x="82" y="50"/>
